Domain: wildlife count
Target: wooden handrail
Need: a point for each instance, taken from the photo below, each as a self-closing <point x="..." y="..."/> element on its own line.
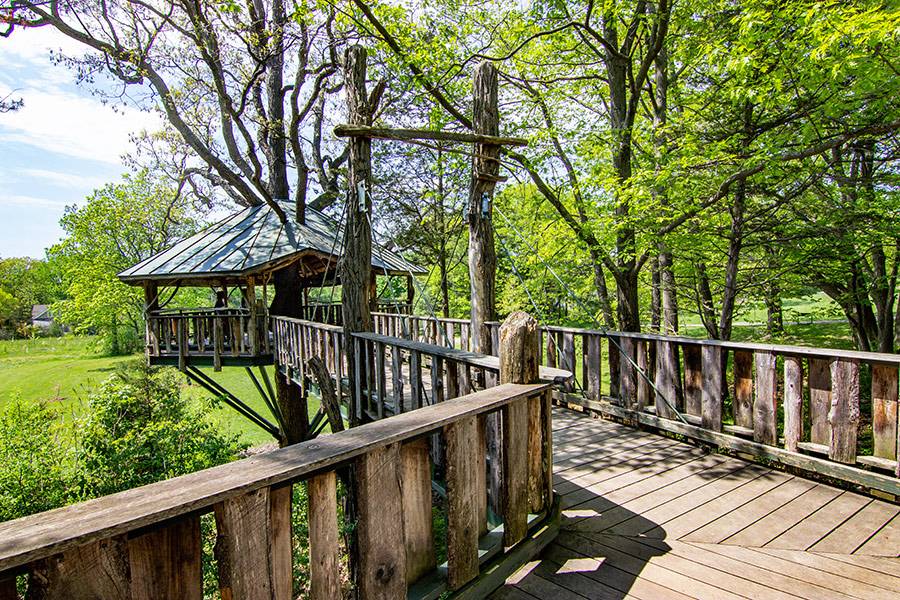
<point x="164" y="504"/>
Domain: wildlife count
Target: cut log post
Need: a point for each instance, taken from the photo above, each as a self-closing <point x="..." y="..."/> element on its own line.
<point x="644" y="391"/>
<point x="355" y="265"/>
<point x="742" y="406"/>
<point x="315" y="366"/>
<point x="711" y="394"/>
<point x="381" y="536"/>
<point x="522" y="447"/>
<point x="324" y="548"/>
<point x="884" y="410"/>
<point x="843" y="417"/>
<point x="665" y="379"/>
<point x="594" y="366"/>
<point x="793" y="402"/>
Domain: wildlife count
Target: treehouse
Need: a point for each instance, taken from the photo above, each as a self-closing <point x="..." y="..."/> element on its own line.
<point x="237" y="259"/>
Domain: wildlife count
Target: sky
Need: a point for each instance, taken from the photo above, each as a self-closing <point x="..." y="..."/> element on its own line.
<point x="59" y="147"/>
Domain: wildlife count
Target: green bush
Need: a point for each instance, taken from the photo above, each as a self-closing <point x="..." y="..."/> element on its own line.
<point x="140" y="428"/>
<point x="35" y="465"/>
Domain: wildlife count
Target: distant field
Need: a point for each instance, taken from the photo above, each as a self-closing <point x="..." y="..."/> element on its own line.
<point x="63" y="371"/>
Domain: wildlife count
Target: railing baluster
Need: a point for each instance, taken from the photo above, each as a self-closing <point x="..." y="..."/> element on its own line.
<point x="884" y="410"/>
<point x="380" y="369"/>
<point x="665" y="379"/>
<point x="627" y="374"/>
<point x="324" y="546"/>
<point x="166" y="562"/>
<point x="415" y="486"/>
<point x="765" y="428"/>
<point x="743" y="389"/>
<point x="644" y="391"/>
<point x="793" y="402"/>
<point x="693" y="379"/>
<point x="843" y="415"/>
<point x="711" y="392"/>
<point x="465" y="459"/>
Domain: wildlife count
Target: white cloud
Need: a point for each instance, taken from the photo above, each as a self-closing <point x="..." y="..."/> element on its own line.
<point x="65" y="180"/>
<point x="33" y="202"/>
<point x="59" y="117"/>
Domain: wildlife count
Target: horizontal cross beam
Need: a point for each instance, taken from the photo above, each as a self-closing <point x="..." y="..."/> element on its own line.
<point x="405" y="135"/>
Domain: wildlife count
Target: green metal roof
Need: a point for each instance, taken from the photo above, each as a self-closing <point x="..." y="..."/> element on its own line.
<point x="253" y="240"/>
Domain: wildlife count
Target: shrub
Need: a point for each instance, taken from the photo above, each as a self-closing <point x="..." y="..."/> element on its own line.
<point x="140" y="428"/>
<point x="35" y="462"/>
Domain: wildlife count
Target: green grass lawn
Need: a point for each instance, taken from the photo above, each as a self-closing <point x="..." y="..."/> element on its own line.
<point x="64" y="370"/>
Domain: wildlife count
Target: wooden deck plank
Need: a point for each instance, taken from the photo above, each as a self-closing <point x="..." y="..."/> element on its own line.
<point x="795" y="577"/>
<point x="807" y="532"/>
<point x="731" y="523"/>
<point x="855" y="531"/>
<point x="846" y="570"/>
<point x="884" y="543"/>
<point x="780" y="520"/>
<point x="877" y="564"/>
<point x="644" y="567"/>
<point x="652" y="522"/>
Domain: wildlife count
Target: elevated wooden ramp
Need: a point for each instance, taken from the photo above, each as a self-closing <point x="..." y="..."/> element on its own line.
<point x="648" y="517"/>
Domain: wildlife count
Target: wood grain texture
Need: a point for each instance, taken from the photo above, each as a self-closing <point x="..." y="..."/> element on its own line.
<point x="166" y="561"/>
<point x="819" y="400"/>
<point x="324" y="547"/>
<point x="765" y="429"/>
<point x="743" y="389"/>
<point x="252" y="548"/>
<point x="463" y="464"/>
<point x="793" y="402"/>
<point x="693" y="379"/>
<point x="8" y="588"/>
<point x="515" y="473"/>
<point x="665" y="379"/>
<point x="380" y="533"/>
<point x="592" y="372"/>
<point x="711" y="392"/>
<point x="98" y="570"/>
<point x="884" y="410"/>
<point x="644" y="391"/>
<point x="627" y="373"/>
<point x="843" y="416"/>
<point x="415" y="488"/>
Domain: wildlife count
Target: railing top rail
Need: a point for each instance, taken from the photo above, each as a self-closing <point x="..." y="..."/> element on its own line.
<point x="225" y="311"/>
<point x="475" y="359"/>
<point x="313" y="324"/>
<point x="25" y="540"/>
<point x="428" y="317"/>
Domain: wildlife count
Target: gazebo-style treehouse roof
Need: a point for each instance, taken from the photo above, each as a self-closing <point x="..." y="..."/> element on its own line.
<point x="243" y="252"/>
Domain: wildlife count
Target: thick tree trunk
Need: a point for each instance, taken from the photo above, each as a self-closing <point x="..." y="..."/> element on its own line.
<point x="293" y="405"/>
<point x="668" y="293"/>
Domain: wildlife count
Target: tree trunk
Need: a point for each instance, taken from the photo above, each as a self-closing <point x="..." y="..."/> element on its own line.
<point x="293" y="405"/>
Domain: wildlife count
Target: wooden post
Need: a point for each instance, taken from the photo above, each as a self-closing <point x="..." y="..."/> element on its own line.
<point x="711" y="394"/>
<point x="742" y="406"/>
<point x="324" y="550"/>
<point x="523" y="486"/>
<point x="843" y="415"/>
<point x="765" y="410"/>
<point x="355" y="265"/>
<point x="793" y="402"/>
<point x="884" y="410"/>
<point x="250" y="298"/>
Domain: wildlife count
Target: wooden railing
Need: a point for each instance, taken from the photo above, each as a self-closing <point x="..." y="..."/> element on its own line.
<point x="824" y="410"/>
<point x="146" y="542"/>
<point x="211" y="333"/>
<point x="400" y="374"/>
<point x="330" y="312"/>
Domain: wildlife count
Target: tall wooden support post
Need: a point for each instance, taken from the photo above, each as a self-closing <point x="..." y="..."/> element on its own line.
<point x="151" y="303"/>
<point x="410" y="293"/>
<point x="482" y="255"/>
<point x="523" y="486"/>
<point x="355" y="266"/>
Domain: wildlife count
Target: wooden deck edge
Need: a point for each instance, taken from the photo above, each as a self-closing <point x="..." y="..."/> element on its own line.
<point x="495" y="574"/>
<point x="751" y="450"/>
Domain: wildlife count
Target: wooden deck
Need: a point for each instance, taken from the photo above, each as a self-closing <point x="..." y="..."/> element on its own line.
<point x="648" y="517"/>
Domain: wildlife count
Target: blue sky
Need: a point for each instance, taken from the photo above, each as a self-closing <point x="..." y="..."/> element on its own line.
<point x="62" y="145"/>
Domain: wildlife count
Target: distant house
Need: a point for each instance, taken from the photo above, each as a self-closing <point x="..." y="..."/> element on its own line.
<point x="41" y="317"/>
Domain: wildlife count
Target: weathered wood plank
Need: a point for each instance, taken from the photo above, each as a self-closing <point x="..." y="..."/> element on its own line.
<point x="415" y="487"/>
<point x="765" y="429"/>
<point x="843" y="416"/>
<point x="819" y="400"/>
<point x="165" y="562"/>
<point x="693" y="379"/>
<point x="884" y="410"/>
<point x="98" y="570"/>
<point x="665" y="380"/>
<point x="627" y="374"/>
<point x="8" y="588"/>
<point x="711" y="392"/>
<point x="793" y="402"/>
<point x="593" y="366"/>
<point x="463" y="464"/>
<point x="644" y="391"/>
<point x="743" y="389"/>
<point x="324" y="547"/>
<point x="380" y="533"/>
<point x="252" y="548"/>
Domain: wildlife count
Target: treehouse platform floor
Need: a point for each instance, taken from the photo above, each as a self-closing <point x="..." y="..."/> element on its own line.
<point x="648" y="517"/>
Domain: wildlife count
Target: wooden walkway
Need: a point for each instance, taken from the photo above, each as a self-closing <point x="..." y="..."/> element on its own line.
<point x="651" y="518"/>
